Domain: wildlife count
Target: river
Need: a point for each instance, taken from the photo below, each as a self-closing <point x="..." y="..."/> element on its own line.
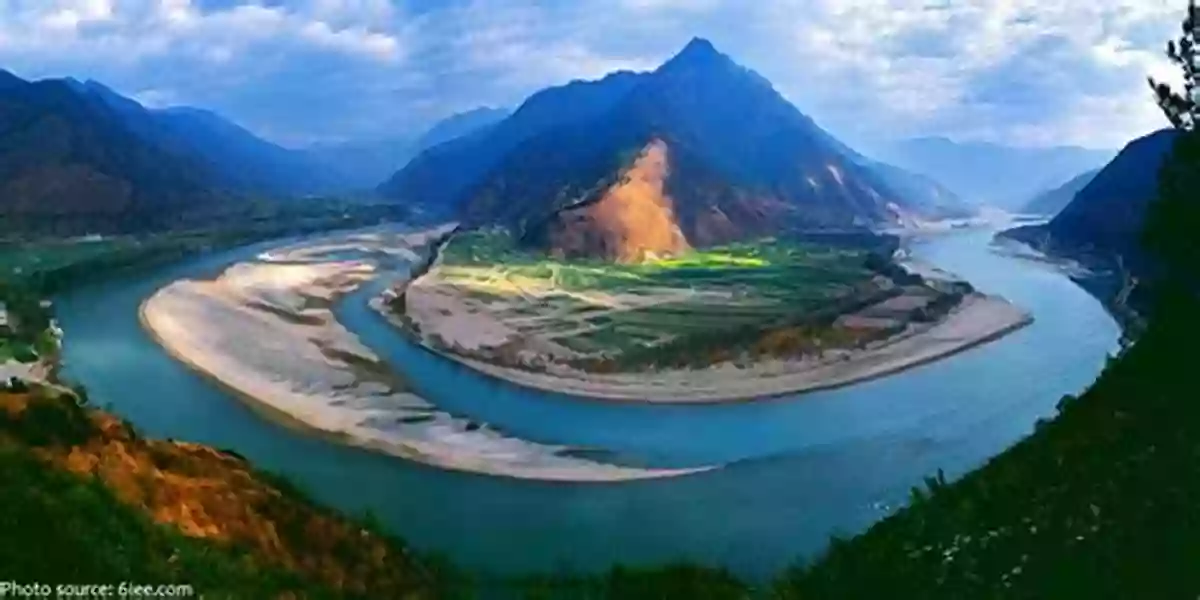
<point x="799" y="469"/>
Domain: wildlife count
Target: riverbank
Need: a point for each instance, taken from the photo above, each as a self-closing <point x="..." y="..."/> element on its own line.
<point x="437" y="315"/>
<point x="266" y="332"/>
<point x="1107" y="279"/>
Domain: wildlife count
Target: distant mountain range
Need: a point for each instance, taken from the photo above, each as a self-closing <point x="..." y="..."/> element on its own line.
<point x="240" y="160"/>
<point x="459" y="125"/>
<point x="76" y="155"/>
<point x="928" y="198"/>
<point x="1052" y="201"/>
<point x="1105" y="218"/>
<point x="67" y="154"/>
<point x="700" y="151"/>
<point x="1002" y="176"/>
<point x="365" y="164"/>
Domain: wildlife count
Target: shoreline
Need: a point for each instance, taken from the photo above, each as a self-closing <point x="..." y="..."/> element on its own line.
<point x="313" y="402"/>
<point x="752" y="384"/>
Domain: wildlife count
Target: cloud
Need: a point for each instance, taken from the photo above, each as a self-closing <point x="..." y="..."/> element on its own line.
<point x="1016" y="71"/>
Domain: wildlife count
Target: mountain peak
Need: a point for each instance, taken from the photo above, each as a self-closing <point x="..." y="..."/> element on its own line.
<point x="699" y="52"/>
<point x="699" y="46"/>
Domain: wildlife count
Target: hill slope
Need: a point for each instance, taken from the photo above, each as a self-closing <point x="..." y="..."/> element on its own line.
<point x="65" y="157"/>
<point x="88" y="500"/>
<point x="922" y="195"/>
<point x="240" y="159"/>
<point x="1105" y="218"/>
<point x="459" y="125"/>
<point x="1110" y="210"/>
<point x="1052" y="201"/>
<point x="439" y="177"/>
<point x="570" y="169"/>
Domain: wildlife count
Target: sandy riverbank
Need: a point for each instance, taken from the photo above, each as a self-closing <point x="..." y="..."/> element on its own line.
<point x="266" y="331"/>
<point x="977" y="320"/>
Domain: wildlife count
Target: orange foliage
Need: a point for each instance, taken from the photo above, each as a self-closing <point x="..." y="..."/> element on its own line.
<point x="211" y="494"/>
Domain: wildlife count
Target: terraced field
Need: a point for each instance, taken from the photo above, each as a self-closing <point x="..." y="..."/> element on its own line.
<point x="670" y="309"/>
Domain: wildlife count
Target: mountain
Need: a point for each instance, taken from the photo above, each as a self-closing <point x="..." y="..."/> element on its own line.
<point x="241" y="160"/>
<point x="1105" y="218"/>
<point x="924" y="196"/>
<point x="700" y="151"/>
<point x="365" y="164"/>
<point x="459" y="125"/>
<point x="1001" y="176"/>
<point x="1109" y="211"/>
<point x="66" y="157"/>
<point x="439" y="177"/>
<point x="1051" y="202"/>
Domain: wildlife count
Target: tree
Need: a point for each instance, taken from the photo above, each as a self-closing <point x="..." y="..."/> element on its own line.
<point x="1181" y="109"/>
<point x="1173" y="220"/>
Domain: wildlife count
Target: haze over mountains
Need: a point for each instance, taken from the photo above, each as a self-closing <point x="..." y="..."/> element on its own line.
<point x="1052" y="201"/>
<point x="365" y="164"/>
<point x="700" y="151"/>
<point x="1104" y="219"/>
<point x="985" y="173"/>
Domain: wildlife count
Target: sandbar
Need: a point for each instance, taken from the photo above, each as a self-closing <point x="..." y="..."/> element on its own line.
<point x="437" y="314"/>
<point x="266" y="331"/>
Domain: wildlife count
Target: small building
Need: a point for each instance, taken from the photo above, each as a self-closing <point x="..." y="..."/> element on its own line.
<point x="5" y="324"/>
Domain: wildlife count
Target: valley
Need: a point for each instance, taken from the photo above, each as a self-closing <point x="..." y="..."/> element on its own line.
<point x="830" y="457"/>
<point x="650" y="332"/>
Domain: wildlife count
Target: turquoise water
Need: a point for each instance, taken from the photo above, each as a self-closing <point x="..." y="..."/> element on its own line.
<point x="800" y="469"/>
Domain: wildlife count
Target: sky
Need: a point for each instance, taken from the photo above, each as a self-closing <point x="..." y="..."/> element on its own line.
<point x="1018" y="72"/>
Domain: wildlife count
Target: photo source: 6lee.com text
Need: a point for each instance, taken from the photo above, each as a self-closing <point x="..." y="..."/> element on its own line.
<point x="22" y="590"/>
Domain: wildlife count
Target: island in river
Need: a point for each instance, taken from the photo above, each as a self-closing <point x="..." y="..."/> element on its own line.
<point x="266" y="331"/>
<point x="768" y="318"/>
<point x="737" y="322"/>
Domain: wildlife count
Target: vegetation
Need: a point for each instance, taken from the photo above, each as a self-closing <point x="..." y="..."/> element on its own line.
<point x="45" y="266"/>
<point x="767" y="297"/>
<point x="27" y="334"/>
<point x="34" y="268"/>
<point x="1100" y="501"/>
<point x="87" y="500"/>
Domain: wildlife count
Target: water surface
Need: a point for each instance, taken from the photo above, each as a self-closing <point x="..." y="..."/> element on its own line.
<point x="800" y="468"/>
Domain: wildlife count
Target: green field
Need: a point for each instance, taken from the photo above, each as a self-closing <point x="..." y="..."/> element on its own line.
<point x="776" y="268"/>
<point x="666" y="309"/>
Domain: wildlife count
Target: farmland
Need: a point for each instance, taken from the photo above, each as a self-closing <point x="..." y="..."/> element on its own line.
<point x="769" y="296"/>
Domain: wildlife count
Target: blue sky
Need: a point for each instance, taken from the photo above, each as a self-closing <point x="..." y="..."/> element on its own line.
<point x="1025" y="72"/>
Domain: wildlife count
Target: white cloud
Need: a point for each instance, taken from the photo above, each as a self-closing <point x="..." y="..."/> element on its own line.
<point x="1029" y="71"/>
<point x="129" y="30"/>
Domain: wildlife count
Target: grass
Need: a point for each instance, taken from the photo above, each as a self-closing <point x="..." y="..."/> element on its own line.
<point x="767" y="264"/>
<point x="746" y="288"/>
